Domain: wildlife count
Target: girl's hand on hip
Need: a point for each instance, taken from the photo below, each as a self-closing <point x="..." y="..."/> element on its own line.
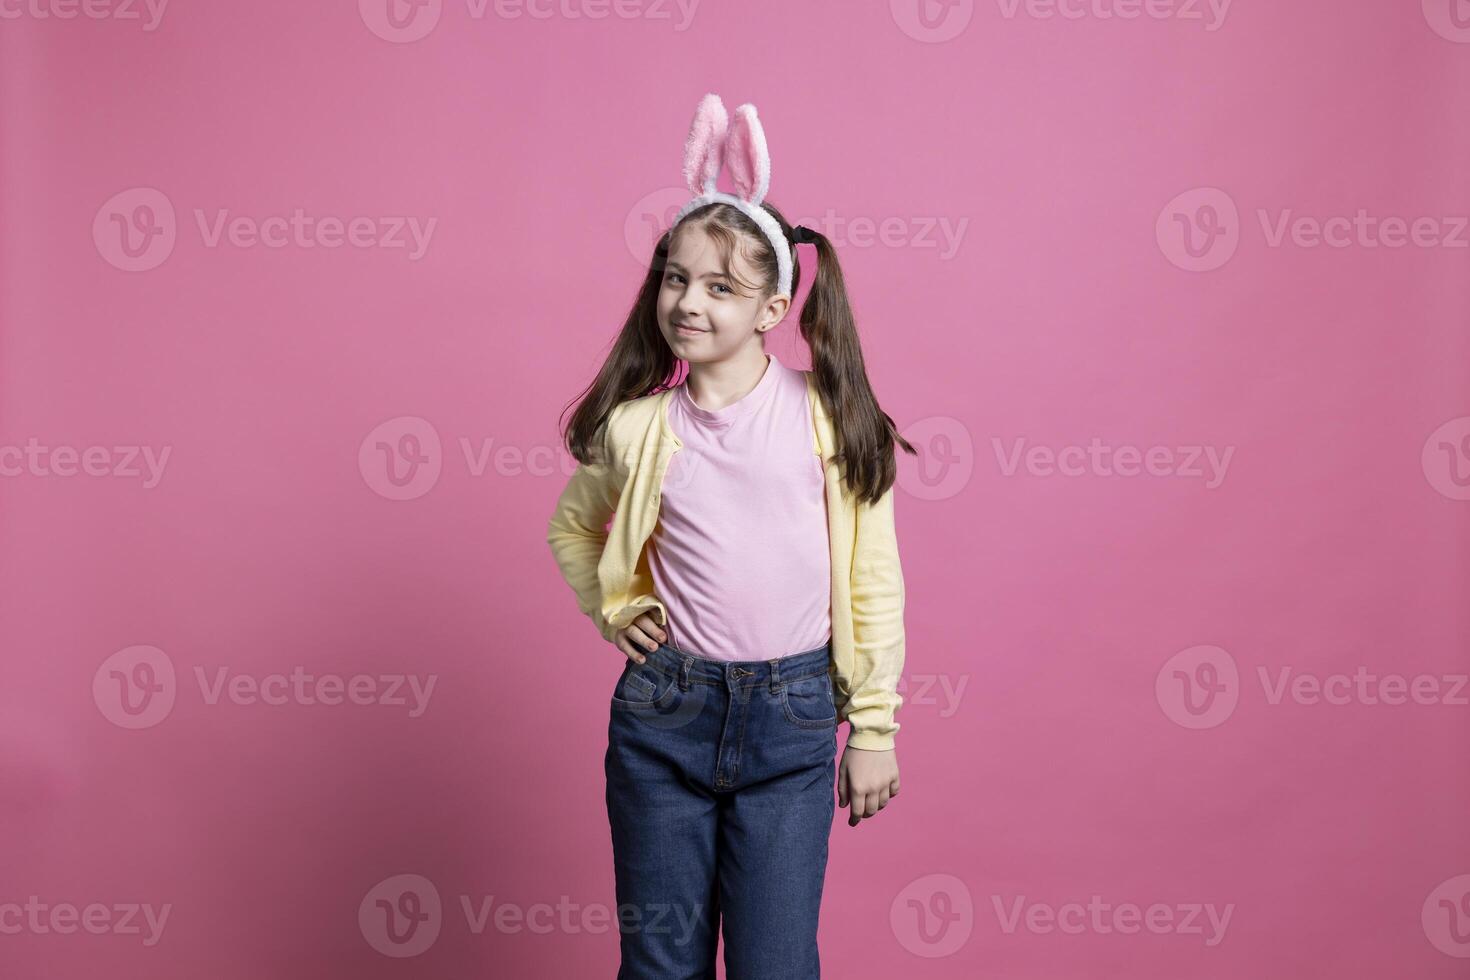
<point x="868" y="780"/>
<point x="642" y="633"/>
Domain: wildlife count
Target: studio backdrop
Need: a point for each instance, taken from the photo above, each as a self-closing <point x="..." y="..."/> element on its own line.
<point x="1171" y="296"/>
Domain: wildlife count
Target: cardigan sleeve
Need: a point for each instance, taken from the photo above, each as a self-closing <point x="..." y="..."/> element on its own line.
<point x="877" y="621"/>
<point x="577" y="533"/>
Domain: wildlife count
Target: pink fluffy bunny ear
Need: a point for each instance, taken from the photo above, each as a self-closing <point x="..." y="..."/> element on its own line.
<point x="704" y="150"/>
<point x="746" y="157"/>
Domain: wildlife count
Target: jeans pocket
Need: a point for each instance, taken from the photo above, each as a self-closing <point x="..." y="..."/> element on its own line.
<point x="808" y="703"/>
<point x="642" y="686"/>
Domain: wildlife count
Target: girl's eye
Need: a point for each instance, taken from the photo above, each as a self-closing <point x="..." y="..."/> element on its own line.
<point x="670" y="277"/>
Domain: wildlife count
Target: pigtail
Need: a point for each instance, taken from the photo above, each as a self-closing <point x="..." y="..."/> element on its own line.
<point x="865" y="433"/>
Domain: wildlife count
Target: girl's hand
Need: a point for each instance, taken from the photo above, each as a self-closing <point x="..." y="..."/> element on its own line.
<point x="868" y="779"/>
<point x="641" y="632"/>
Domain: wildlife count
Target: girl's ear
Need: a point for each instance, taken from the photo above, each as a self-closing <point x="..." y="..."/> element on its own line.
<point x="746" y="157"/>
<point x="704" y="150"/>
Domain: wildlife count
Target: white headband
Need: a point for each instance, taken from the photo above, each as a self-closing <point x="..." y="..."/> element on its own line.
<point x="739" y="146"/>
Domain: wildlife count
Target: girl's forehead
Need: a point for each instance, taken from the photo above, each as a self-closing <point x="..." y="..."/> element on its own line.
<point x="696" y="251"/>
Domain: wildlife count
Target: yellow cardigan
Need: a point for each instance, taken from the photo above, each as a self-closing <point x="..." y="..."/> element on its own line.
<point x="607" y="568"/>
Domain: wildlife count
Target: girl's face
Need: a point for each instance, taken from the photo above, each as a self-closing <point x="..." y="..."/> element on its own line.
<point x="700" y="313"/>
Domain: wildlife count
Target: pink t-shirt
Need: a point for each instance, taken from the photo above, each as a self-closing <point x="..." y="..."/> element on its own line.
<point x="740" y="555"/>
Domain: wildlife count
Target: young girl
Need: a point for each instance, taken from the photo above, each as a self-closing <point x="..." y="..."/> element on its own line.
<point x="750" y="574"/>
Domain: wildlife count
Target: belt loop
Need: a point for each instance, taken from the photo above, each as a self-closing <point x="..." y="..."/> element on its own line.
<point x="775" y="676"/>
<point x="684" y="666"/>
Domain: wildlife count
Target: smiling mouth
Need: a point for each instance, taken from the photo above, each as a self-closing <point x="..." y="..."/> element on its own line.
<point x="688" y="330"/>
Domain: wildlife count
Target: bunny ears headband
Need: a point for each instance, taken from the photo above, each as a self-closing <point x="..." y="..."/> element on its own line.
<point x="739" y="145"/>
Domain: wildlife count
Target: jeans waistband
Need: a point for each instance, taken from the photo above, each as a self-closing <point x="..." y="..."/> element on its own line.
<point x="692" y="668"/>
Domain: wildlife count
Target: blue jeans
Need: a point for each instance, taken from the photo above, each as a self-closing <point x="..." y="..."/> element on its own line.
<point x="720" y="781"/>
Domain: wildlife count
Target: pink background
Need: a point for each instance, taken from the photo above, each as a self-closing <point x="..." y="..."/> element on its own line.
<point x="1058" y="624"/>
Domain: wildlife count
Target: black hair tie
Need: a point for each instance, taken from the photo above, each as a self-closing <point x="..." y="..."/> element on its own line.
<point x="801" y="233"/>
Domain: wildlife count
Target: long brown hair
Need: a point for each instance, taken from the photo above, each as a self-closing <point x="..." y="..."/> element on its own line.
<point x="641" y="363"/>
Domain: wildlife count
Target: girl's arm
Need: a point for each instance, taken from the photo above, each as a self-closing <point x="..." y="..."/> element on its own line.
<point x="577" y="534"/>
<point x="877" y="622"/>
